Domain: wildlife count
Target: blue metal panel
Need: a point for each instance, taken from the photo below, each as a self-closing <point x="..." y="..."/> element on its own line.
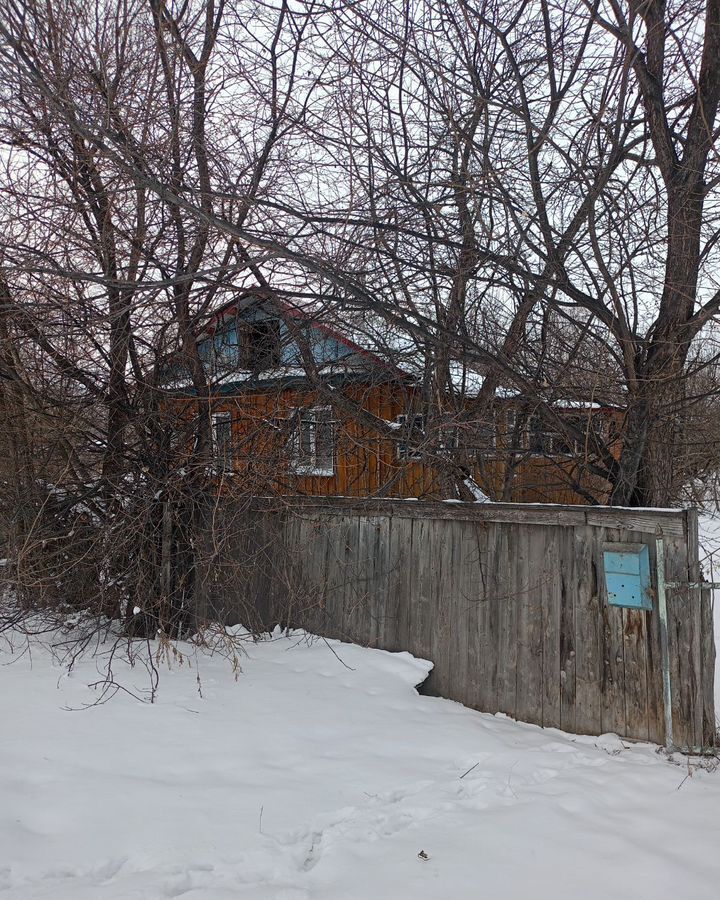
<point x="627" y="576"/>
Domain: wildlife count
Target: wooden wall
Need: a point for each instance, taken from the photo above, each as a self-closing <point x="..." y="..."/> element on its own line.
<point x="507" y="600"/>
<point x="367" y="463"/>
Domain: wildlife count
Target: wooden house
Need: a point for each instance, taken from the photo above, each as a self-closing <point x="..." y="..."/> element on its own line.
<point x="298" y="407"/>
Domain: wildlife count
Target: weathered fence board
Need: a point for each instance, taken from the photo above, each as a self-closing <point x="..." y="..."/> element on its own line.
<point x="586" y="659"/>
<point x="570" y="584"/>
<point x="508" y="600"/>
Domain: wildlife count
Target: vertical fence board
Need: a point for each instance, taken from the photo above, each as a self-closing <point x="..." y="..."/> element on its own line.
<point x="354" y="593"/>
<point x="568" y="591"/>
<point x="446" y="618"/>
<point x="694" y="618"/>
<point x="400" y="576"/>
<point x="656" y="716"/>
<point x="335" y="577"/>
<point x="480" y="548"/>
<point x="613" y="656"/>
<point x="710" y="724"/>
<point x="455" y="679"/>
<point x="588" y="658"/>
<point x="378" y="586"/>
<point x="530" y="565"/>
<point x="424" y="564"/>
<point x="636" y="685"/>
<point x="550" y="595"/>
<point x="508" y="619"/>
<point x="287" y="599"/>
<point x="680" y="638"/>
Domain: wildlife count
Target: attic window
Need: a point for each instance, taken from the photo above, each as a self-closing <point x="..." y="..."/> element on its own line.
<point x="260" y="344"/>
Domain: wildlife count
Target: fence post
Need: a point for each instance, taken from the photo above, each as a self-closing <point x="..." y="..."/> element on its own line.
<point x="664" y="646"/>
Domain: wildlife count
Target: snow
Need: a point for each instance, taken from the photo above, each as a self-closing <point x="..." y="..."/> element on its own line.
<point x="319" y="773"/>
<point x="477" y="492"/>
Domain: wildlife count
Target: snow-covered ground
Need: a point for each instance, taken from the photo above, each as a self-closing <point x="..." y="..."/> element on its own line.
<point x="321" y="773"/>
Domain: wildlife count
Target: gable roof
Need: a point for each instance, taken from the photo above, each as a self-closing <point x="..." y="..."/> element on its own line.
<point x="385" y="353"/>
<point x="357" y="357"/>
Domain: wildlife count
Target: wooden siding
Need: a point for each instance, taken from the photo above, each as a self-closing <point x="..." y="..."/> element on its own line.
<point x="367" y="463"/>
<point x="507" y="600"/>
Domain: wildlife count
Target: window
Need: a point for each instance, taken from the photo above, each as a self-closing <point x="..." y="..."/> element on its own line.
<point x="481" y="435"/>
<point x="413" y="430"/>
<point x="511" y="430"/>
<point x="222" y="441"/>
<point x="260" y="344"/>
<point x="544" y="438"/>
<point x="313" y="442"/>
<point x="449" y="439"/>
<point x="541" y="436"/>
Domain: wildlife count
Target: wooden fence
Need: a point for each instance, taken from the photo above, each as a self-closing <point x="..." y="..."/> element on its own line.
<point x="507" y="600"/>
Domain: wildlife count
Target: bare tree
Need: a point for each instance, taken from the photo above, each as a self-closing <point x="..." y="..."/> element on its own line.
<point x="103" y="282"/>
<point x="524" y="191"/>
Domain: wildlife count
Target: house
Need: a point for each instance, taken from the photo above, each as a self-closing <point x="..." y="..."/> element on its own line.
<point x="298" y="407"/>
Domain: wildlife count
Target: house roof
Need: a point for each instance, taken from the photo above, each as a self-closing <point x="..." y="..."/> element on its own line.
<point x="386" y="352"/>
<point x="313" y="318"/>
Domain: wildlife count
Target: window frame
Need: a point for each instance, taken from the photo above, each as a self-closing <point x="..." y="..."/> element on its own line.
<point x="226" y="462"/>
<point x="559" y="444"/>
<point x="297" y="461"/>
<point x="259" y="343"/>
<point x="403" y="451"/>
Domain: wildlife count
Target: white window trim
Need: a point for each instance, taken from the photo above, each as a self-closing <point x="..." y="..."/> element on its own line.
<point x="300" y="468"/>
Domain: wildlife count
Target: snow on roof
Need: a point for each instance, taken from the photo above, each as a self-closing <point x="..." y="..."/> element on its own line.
<point x="368" y="338"/>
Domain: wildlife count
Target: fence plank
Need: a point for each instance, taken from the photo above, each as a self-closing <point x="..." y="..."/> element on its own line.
<point x="710" y="725"/>
<point x="335" y="576"/>
<point x="636" y="686"/>
<point x="672" y="522"/>
<point x="530" y="565"/>
<point x="423" y="557"/>
<point x="483" y="622"/>
<point x="588" y="651"/>
<point x="613" y="651"/>
<point x="445" y="616"/>
<point x="694" y="615"/>
<point x="656" y="715"/>
<point x="508" y="619"/>
<point x="400" y="585"/>
<point x="550" y="602"/>
<point x="680" y="639"/>
<point x="354" y="589"/>
<point x="378" y="548"/>
<point x="568" y="591"/>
